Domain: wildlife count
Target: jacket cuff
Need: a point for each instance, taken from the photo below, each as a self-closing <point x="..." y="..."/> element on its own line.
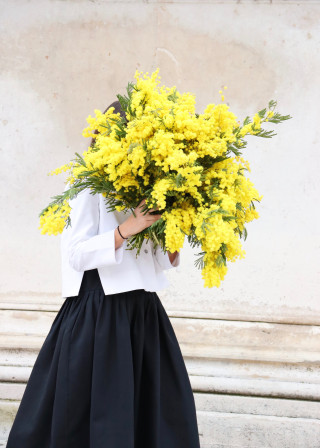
<point x="97" y="251"/>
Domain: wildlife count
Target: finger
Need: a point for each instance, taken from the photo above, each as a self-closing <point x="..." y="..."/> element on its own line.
<point x="144" y="212"/>
<point x="143" y="208"/>
<point x="153" y="209"/>
<point x="154" y="217"/>
<point x="143" y="201"/>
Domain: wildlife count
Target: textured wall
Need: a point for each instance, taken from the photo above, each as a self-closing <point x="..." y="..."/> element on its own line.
<point x="252" y="346"/>
<point x="62" y="59"/>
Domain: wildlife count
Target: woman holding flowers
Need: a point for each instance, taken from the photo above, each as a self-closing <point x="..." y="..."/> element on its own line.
<point x="110" y="372"/>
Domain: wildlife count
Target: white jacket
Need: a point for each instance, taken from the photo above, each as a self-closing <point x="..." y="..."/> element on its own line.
<point x="89" y="243"/>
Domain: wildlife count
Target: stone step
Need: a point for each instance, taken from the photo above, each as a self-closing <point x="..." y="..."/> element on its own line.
<point x="197" y="306"/>
<point x="246" y="380"/>
<point x="235" y="421"/>
<point x="203" y="338"/>
<point x="255" y="383"/>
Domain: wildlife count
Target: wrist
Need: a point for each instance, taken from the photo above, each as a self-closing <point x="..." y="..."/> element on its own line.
<point x="117" y="238"/>
<point x="123" y="232"/>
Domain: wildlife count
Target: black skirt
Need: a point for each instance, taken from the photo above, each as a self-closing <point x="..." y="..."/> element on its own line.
<point x="110" y="374"/>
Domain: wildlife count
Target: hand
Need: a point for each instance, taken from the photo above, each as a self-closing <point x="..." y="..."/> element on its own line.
<point x="172" y="256"/>
<point x="135" y="224"/>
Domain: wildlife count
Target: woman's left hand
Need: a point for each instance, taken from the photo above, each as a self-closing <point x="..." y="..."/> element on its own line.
<point x="172" y="256"/>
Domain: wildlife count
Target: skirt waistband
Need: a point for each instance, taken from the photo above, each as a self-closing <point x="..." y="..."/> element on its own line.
<point x="91" y="281"/>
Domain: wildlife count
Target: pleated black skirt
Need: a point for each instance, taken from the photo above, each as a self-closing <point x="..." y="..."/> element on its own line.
<point x="110" y="374"/>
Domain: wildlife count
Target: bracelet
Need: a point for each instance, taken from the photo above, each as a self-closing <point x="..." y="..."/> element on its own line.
<point x="120" y="234"/>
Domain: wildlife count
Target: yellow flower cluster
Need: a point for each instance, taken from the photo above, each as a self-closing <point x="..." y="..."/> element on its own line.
<point x="269" y="114"/>
<point x="53" y="220"/>
<point x="179" y="223"/>
<point x="177" y="159"/>
<point x="60" y="169"/>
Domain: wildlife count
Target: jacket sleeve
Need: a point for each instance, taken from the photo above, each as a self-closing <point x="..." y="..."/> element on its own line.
<point x="163" y="259"/>
<point x="85" y="248"/>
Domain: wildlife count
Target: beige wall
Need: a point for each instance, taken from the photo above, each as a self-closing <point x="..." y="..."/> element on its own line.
<point x="252" y="346"/>
<point x="62" y="59"/>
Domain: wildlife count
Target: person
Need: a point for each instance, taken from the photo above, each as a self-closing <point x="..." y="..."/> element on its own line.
<point x="110" y="372"/>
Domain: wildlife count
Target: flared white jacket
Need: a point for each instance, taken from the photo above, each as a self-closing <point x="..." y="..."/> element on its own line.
<point x="89" y="243"/>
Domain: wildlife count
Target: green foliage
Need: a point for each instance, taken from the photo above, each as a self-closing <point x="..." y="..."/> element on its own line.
<point x="173" y="96"/>
<point x="125" y="101"/>
<point x="221" y="258"/>
<point x="199" y="263"/>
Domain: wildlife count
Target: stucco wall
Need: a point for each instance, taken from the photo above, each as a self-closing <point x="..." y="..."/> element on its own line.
<point x="62" y="59"/>
<point x="251" y="346"/>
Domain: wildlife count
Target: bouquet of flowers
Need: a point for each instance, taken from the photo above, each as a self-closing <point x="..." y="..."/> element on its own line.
<point x="189" y="165"/>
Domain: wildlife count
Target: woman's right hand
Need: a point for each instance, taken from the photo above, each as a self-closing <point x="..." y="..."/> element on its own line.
<point x="135" y="224"/>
